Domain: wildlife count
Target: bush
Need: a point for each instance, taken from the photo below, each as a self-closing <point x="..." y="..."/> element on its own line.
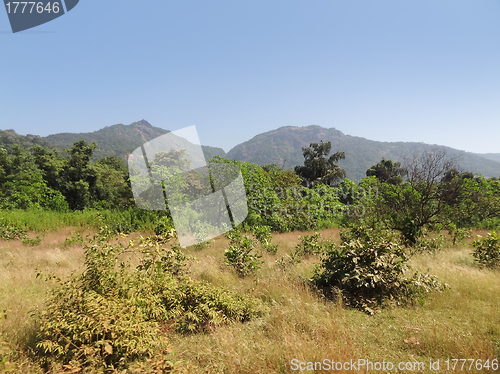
<point x="112" y="316"/>
<point x="155" y="254"/>
<point x="263" y="235"/>
<point x="487" y="250"/>
<point x="240" y="256"/>
<point x="10" y="231"/>
<point x="368" y="270"/>
<point x="309" y="245"/>
<point x="429" y="244"/>
<point x="458" y="234"/>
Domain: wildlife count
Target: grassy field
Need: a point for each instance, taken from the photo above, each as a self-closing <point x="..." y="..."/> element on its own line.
<point x="462" y="322"/>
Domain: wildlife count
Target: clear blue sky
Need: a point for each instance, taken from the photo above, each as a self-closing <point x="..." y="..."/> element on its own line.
<point x="390" y="70"/>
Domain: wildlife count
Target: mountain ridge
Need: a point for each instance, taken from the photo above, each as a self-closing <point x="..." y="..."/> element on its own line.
<point x="281" y="146"/>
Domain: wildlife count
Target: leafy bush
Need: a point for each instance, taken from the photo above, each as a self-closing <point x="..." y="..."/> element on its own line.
<point x="368" y="270"/>
<point x="156" y="255"/>
<point x="112" y="316"/>
<point x="263" y="235"/>
<point x="10" y="232"/>
<point x="458" y="235"/>
<point x="75" y="238"/>
<point x="429" y="244"/>
<point x="487" y="250"/>
<point x="240" y="256"/>
<point x="309" y="245"/>
<point x="164" y="226"/>
<point x="32" y="242"/>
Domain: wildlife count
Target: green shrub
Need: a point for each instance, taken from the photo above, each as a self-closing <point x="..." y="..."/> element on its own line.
<point x="263" y="235"/>
<point x="309" y="245"/>
<point x="240" y="254"/>
<point x="368" y="270"/>
<point x="459" y="235"/>
<point x="75" y="238"/>
<point x="81" y="327"/>
<point x="195" y="306"/>
<point x="156" y="254"/>
<point x="32" y="242"/>
<point x="429" y="244"/>
<point x="164" y="226"/>
<point x="487" y="250"/>
<point x="110" y="317"/>
<point x="9" y="231"/>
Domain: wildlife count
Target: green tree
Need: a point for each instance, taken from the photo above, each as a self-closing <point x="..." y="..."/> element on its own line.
<point x="387" y="171"/>
<point x="51" y="163"/>
<point x="318" y="169"/>
<point x="80" y="176"/>
<point x="22" y="185"/>
<point x="423" y="201"/>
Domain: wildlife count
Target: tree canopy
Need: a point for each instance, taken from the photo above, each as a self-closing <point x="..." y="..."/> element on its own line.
<point x="318" y="167"/>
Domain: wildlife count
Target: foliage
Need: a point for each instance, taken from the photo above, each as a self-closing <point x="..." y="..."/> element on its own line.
<point x="473" y="200"/>
<point x="368" y="270"/>
<point x="387" y="171"/>
<point x="240" y="254"/>
<point x="112" y="316"/>
<point x="164" y="226"/>
<point x="458" y="234"/>
<point x="487" y="250"/>
<point x="420" y="203"/>
<point x="317" y="168"/>
<point x="75" y="238"/>
<point x="22" y="185"/>
<point x="32" y="242"/>
<point x="9" y="231"/>
<point x="309" y="245"/>
<point x="156" y="256"/>
<point x="263" y="235"/>
<point x="429" y="244"/>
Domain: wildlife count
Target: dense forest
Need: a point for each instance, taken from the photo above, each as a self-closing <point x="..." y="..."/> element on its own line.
<point x="429" y="189"/>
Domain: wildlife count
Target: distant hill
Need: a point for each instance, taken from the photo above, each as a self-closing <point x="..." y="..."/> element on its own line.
<point x="9" y="137"/>
<point x="490" y="156"/>
<point x="120" y="140"/>
<point x="283" y="147"/>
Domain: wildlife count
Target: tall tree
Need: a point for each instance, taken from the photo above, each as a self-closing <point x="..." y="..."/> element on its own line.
<point x="387" y="171"/>
<point x="318" y="167"/>
<point x="80" y="175"/>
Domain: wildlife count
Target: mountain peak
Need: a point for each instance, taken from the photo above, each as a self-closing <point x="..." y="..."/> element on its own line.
<point x="142" y="122"/>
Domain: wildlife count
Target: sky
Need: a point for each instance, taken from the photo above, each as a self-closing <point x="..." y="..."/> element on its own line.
<point x="388" y="70"/>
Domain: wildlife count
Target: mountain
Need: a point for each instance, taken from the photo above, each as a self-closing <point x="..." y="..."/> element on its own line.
<point x="120" y="140"/>
<point x="283" y="147"/>
<point x="9" y="137"/>
<point x="490" y="156"/>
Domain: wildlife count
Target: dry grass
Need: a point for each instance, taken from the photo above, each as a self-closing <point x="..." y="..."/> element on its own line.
<point x="462" y="322"/>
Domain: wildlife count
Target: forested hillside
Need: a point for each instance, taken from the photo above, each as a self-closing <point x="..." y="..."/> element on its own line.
<point x="117" y="140"/>
<point x="490" y="156"/>
<point x="283" y="148"/>
<point x="120" y="140"/>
